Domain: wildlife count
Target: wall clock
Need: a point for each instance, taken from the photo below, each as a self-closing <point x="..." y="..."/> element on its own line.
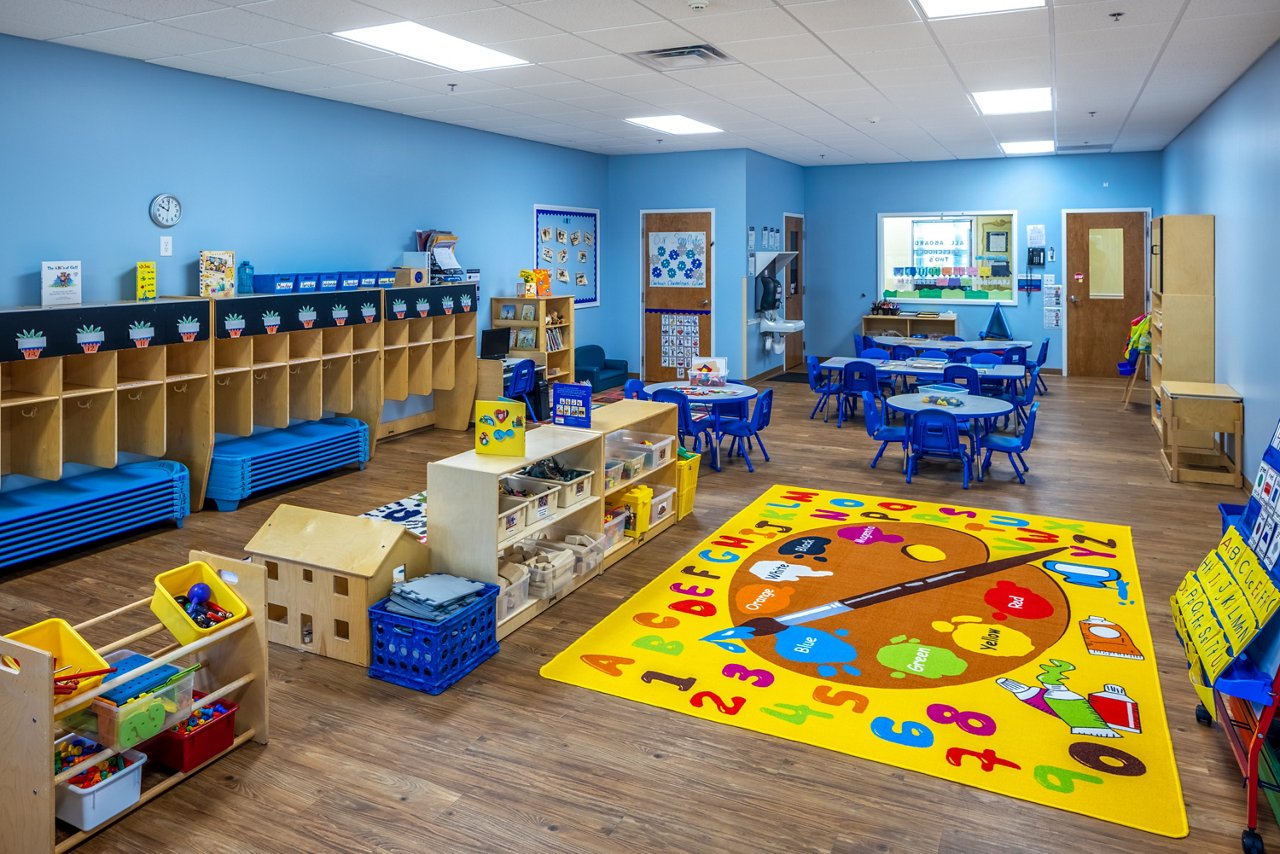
<point x="166" y="210"/>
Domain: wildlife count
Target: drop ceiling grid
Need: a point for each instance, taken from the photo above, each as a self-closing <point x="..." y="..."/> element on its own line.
<point x="808" y="78"/>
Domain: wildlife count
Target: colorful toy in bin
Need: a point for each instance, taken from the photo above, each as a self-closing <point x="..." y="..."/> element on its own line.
<point x="77" y="668"/>
<point x="639" y="502"/>
<point x="99" y="792"/>
<point x="173" y="599"/>
<point x="208" y="731"/>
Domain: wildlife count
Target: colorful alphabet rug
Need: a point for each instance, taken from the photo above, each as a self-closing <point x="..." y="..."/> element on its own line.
<point x="1008" y="652"/>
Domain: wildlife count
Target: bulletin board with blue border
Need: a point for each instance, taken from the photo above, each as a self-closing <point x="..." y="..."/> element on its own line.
<point x="566" y="241"/>
<point x="1005" y="651"/>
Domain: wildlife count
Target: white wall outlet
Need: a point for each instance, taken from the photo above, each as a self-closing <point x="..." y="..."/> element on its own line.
<point x="166" y="245"/>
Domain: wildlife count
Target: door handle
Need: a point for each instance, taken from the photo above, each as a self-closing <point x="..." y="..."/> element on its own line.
<point x="1075" y="298"/>
<point x="706" y="302"/>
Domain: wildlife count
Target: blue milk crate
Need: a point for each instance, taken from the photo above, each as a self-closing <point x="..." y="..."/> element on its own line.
<point x="273" y="283"/>
<point x="328" y="281"/>
<point x="425" y="656"/>
<point x="386" y="278"/>
<point x="307" y="283"/>
<point x="349" y="281"/>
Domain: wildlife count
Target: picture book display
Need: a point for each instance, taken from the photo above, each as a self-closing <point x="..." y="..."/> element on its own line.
<point x="60" y="283"/>
<point x="217" y="271"/>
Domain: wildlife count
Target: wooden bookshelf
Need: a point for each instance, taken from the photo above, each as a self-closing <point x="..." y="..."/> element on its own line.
<point x="559" y="360"/>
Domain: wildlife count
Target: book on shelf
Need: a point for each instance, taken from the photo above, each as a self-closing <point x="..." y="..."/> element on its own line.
<point x="145" y="280"/>
<point x="60" y="283"/>
<point x="526" y="339"/>
<point x="217" y="271"/>
<point x="554" y="340"/>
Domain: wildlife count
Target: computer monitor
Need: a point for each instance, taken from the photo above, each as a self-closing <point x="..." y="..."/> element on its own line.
<point x="494" y="343"/>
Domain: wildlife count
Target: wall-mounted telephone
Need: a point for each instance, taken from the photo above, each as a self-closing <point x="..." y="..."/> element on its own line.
<point x="1035" y="256"/>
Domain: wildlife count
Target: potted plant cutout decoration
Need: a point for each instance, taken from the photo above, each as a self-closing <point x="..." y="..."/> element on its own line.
<point x="90" y="337"/>
<point x="31" y="343"/>
<point x="141" y="333"/>
<point x="399" y="307"/>
<point x="306" y="316"/>
<point x="271" y="320"/>
<point x="447" y="302"/>
<point x="188" y="328"/>
<point x="424" y="307"/>
<point x="367" y="311"/>
<point x="234" y="324"/>
<point x="340" y="315"/>
<point x="465" y="299"/>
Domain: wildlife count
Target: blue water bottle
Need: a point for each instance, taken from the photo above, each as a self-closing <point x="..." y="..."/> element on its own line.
<point x="244" y="279"/>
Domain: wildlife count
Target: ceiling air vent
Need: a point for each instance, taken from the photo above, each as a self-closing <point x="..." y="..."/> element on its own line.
<point x="682" y="58"/>
<point x="1100" y="148"/>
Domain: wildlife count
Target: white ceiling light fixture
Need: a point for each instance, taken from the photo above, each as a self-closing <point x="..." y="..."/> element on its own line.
<point x="674" y="124"/>
<point x="1003" y="102"/>
<point x="935" y="9"/>
<point x="432" y="46"/>
<point x="1036" y="146"/>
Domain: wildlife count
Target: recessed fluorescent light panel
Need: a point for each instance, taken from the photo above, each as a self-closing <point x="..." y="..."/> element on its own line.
<point x="961" y="8"/>
<point x="1038" y="146"/>
<point x="674" y="124"/>
<point x="1003" y="102"/>
<point x="427" y="45"/>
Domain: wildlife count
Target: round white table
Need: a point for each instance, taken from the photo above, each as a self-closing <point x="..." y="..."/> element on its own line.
<point x="712" y="396"/>
<point x="971" y="405"/>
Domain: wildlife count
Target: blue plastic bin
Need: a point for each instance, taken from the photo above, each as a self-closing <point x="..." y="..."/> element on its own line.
<point x="328" y="282"/>
<point x="369" y="279"/>
<point x="307" y="283"/>
<point x="387" y="279"/>
<point x="429" y="657"/>
<point x="349" y="281"/>
<point x="273" y="283"/>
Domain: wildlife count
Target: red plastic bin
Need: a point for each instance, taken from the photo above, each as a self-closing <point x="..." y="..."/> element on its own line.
<point x="179" y="752"/>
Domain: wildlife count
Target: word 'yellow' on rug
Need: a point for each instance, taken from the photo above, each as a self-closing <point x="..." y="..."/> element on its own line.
<point x="1008" y="652"/>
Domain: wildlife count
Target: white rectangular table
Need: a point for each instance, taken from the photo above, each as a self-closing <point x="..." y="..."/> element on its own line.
<point x="926" y="367"/>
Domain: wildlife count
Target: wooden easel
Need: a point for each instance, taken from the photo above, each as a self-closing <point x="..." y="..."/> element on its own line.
<point x="1133" y="378"/>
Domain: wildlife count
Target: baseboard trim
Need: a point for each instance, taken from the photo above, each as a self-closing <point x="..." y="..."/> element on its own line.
<point x="408" y="424"/>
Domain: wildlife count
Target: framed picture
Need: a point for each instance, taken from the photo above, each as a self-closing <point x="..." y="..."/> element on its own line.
<point x="565" y="241"/>
<point x="527" y="311"/>
<point x="508" y="312"/>
<point x="997" y="241"/>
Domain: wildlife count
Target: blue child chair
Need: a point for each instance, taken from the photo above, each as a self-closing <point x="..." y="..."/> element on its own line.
<point x="823" y="385"/>
<point x="875" y="353"/>
<point x="960" y="355"/>
<point x="901" y="352"/>
<point x="952" y="338"/>
<point x="687" y="427"/>
<point x="524" y="379"/>
<point x="1012" y="446"/>
<point x="1041" y="358"/>
<point x="935" y="354"/>
<point x="1015" y="356"/>
<point x="963" y="375"/>
<point x="744" y="430"/>
<point x="859" y="344"/>
<point x="1023" y="402"/>
<point x="633" y="389"/>
<point x="935" y="433"/>
<point x="856" y="377"/>
<point x="878" y="430"/>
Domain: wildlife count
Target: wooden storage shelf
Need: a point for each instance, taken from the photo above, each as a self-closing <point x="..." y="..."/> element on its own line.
<point x="560" y="517"/>
<point x="233" y="403"/>
<point x="338" y="391"/>
<point x="559" y="361"/>
<point x="233" y="664"/>
<point x="22" y="398"/>
<point x="885" y="324"/>
<point x="271" y="395"/>
<point x="1197" y="419"/>
<point x="1182" y="304"/>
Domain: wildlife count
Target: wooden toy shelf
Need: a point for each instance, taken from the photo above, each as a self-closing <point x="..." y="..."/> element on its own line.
<point x="429" y="351"/>
<point x="907" y="325"/>
<point x="233" y="665"/>
<point x="462" y="498"/>
<point x="559" y="360"/>
<point x="1182" y="303"/>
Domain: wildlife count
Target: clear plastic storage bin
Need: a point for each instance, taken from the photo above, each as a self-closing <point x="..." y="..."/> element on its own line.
<point x="659" y="449"/>
<point x="664" y="504"/>
<point x="542" y="500"/>
<point x="511" y="516"/>
<point x="88" y="808"/>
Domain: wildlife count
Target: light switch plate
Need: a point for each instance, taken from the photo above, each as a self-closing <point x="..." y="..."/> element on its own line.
<point x="166" y="245"/>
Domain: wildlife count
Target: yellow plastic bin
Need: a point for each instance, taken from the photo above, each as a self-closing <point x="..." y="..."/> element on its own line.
<point x="176" y="582"/>
<point x="639" y="502"/>
<point x="686" y="483"/>
<point x="72" y="653"/>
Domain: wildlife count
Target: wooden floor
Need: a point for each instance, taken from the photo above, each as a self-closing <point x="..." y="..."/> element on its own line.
<point x="508" y="761"/>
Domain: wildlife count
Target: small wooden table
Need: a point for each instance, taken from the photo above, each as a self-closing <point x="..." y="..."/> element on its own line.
<point x="1197" y="419"/>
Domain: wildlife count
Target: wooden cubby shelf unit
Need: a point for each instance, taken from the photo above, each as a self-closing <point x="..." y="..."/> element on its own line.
<point x="906" y="326"/>
<point x="1182" y="305"/>
<point x="233" y="665"/>
<point x="559" y="361"/>
<point x="462" y="498"/>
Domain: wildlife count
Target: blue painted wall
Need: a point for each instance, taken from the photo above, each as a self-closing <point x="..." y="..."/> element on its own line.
<point x="696" y="180"/>
<point x="842" y="203"/>
<point x="289" y="182"/>
<point x="1227" y="163"/>
<point x="774" y="187"/>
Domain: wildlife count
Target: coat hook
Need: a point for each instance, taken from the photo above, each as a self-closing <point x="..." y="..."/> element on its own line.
<point x="137" y="395"/>
<point x="224" y="381"/>
<point x="28" y="413"/>
<point x="85" y="404"/>
<point x="180" y="388"/>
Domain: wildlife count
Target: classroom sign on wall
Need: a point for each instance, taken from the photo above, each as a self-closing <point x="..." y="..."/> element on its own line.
<point x="677" y="259"/>
<point x="1008" y="652"/>
<point x="566" y="243"/>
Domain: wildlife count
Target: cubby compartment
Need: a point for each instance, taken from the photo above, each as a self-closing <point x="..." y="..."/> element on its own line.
<point x="306" y="392"/>
<point x="270" y="350"/>
<point x="304" y="346"/>
<point x="442" y="328"/>
<point x="271" y="395"/>
<point x="233" y="403"/>
<point x="88" y="374"/>
<point x="367" y="337"/>
<point x="89" y="429"/>
<point x="32" y="438"/>
<point x="139" y="367"/>
<point x="395" y="334"/>
<point x="420" y="331"/>
<point x="421" y="375"/>
<point x="337" y="342"/>
<point x="395" y="373"/>
<point x="338" y="391"/>
<point x="442" y="368"/>
<point x="140" y="414"/>
<point x="464" y="327"/>
<point x="185" y="361"/>
<point x="31" y="381"/>
<point x="232" y="354"/>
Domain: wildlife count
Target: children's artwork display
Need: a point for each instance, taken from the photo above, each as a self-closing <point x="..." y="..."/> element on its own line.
<point x="566" y="242"/>
<point x="1005" y="651"/>
<point x="60" y="283"/>
<point x="500" y="428"/>
<point x="677" y="259"/>
<point x="681" y="341"/>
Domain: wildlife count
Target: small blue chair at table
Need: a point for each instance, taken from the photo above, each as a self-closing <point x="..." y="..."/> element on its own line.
<point x="935" y="354"/>
<point x="821" y="384"/>
<point x="878" y="430"/>
<point x="1012" y="446"/>
<point x="952" y="338"/>
<point x="875" y="353"/>
<point x="918" y="335"/>
<point x="524" y="379"/>
<point x="935" y="433"/>
<point x="961" y="355"/>
<point x="855" y="378"/>
<point x="963" y="375"/>
<point x="1041" y="358"/>
<point x="744" y="430"/>
<point x="859" y="344"/>
<point x="686" y="425"/>
<point x="1022" y="403"/>
<point x="633" y="389"/>
<point x="991" y="388"/>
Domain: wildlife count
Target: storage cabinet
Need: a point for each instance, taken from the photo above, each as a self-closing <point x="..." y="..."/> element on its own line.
<point x="1182" y="303"/>
<point x="907" y="325"/>
<point x="552" y="342"/>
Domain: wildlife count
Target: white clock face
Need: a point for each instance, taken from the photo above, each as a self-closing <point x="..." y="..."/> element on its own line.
<point x="166" y="210"/>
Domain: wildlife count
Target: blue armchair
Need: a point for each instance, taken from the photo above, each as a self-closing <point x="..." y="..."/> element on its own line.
<point x="591" y="365"/>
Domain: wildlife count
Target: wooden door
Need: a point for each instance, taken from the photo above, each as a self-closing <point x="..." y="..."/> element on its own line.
<point x="677" y="279"/>
<point x="793" y="226"/>
<point x="1105" y="274"/>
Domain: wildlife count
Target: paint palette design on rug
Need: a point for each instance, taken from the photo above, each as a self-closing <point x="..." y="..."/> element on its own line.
<point x="1011" y="653"/>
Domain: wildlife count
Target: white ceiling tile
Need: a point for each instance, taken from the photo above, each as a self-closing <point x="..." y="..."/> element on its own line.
<point x="316" y="77"/>
<point x="648" y="83"/>
<point x="153" y="10"/>
<point x="499" y="97"/>
<point x="419" y="103"/>
<point x="599" y="68"/>
<point x="797" y="46"/>
<point x="63" y="17"/>
<point x="851" y="44"/>
<point x="1023" y="126"/>
<point x="118" y="47"/>
<point x="571" y="91"/>
<point x="240" y="26"/>
<point x="1006" y="74"/>
<point x="419" y="9"/>
<point x="196" y="64"/>
<point x="29" y="30"/>
<point x="1218" y="8"/>
<point x="488" y="25"/>
<point x="381" y="90"/>
<point x="737" y="26"/>
<point x="551" y="48"/>
<point x="1032" y="47"/>
<point x="520" y="75"/>
<point x="1096" y="16"/>
<point x="400" y="68"/>
<point x="718" y="75"/>
<point x="329" y="16"/>
<point x="798" y="71"/>
<point x="247" y="59"/>
<point x="637" y="37"/>
<point x="680" y="8"/>
<point x="841" y="14"/>
<point x="1138" y="44"/>
<point x="1010" y="26"/>
<point x="325" y="49"/>
<point x="582" y="15"/>
<point x="890" y="60"/>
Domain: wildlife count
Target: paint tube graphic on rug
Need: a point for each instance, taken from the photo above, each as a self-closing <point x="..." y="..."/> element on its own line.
<point x="1033" y="697"/>
<point x="1055" y="698"/>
